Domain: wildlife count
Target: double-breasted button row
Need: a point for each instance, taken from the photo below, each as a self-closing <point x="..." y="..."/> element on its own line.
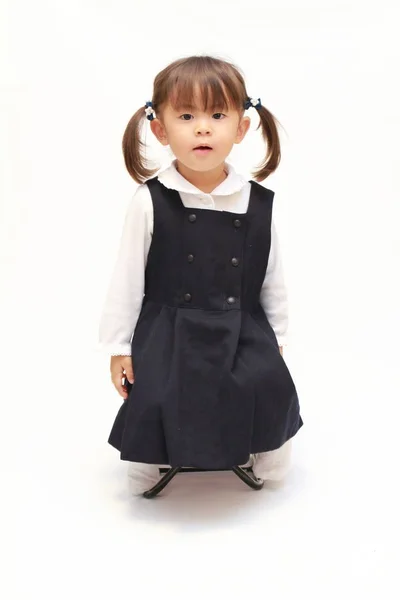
<point x="236" y="223"/>
<point x="230" y="300"/>
<point x="234" y="261"/>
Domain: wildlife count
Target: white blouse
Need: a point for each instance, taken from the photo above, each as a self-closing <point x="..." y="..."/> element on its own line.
<point x="126" y="289"/>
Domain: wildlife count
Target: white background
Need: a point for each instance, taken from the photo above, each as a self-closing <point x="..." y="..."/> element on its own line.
<point x="72" y="75"/>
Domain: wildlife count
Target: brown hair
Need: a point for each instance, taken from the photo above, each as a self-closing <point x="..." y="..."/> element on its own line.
<point x="222" y="87"/>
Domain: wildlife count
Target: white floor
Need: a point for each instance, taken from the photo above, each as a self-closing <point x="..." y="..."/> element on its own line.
<point x="71" y="530"/>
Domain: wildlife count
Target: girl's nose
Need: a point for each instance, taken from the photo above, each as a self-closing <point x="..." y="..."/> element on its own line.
<point x="202" y="128"/>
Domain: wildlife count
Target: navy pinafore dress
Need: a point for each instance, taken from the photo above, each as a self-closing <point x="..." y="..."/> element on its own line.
<point x="211" y="386"/>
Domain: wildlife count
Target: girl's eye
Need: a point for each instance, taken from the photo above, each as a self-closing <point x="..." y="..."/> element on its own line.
<point x="187" y="116"/>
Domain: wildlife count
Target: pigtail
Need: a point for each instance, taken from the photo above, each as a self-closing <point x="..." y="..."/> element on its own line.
<point x="268" y="124"/>
<point x="134" y="149"/>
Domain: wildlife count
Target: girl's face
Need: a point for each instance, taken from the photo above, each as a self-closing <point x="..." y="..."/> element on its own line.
<point x="186" y="129"/>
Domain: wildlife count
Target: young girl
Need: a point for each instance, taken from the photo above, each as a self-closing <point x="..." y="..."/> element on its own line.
<point x="196" y="313"/>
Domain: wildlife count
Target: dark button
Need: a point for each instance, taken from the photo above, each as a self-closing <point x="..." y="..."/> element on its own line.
<point x="188" y="297"/>
<point x="237" y="223"/>
<point x="231" y="300"/>
<point x="190" y="258"/>
<point x="235" y="262"/>
<point x="192" y="218"/>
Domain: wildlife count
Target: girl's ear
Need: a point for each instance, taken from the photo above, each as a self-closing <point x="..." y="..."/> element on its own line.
<point x="243" y="128"/>
<point x="159" y="131"/>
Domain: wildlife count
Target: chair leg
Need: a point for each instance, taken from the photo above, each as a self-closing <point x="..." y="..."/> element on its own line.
<point x="245" y="474"/>
<point x="249" y="478"/>
<point x="160" y="485"/>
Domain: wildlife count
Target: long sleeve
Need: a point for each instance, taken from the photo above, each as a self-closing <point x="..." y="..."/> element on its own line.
<point x="126" y="289"/>
<point x="273" y="296"/>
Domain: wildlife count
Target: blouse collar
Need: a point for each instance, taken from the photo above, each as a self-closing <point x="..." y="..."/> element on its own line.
<point x="172" y="179"/>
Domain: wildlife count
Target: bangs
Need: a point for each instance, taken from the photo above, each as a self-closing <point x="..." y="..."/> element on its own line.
<point x="203" y="84"/>
<point x="204" y="96"/>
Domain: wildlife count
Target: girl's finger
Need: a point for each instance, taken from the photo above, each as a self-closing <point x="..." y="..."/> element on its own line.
<point x="121" y="389"/>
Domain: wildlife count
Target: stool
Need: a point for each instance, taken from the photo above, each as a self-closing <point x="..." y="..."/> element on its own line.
<point x="244" y="473"/>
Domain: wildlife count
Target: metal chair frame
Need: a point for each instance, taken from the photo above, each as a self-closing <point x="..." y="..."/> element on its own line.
<point x="244" y="473"/>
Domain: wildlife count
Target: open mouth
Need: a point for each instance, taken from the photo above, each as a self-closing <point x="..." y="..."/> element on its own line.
<point x="202" y="148"/>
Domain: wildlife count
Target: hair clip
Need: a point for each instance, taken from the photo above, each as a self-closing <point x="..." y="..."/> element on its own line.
<point x="253" y="102"/>
<point x="149" y="110"/>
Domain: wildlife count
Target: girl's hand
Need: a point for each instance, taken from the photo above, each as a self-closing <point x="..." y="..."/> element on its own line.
<point x="120" y="367"/>
<point x="281" y="350"/>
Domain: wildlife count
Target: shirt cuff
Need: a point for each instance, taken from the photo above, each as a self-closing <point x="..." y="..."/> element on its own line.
<point x="115" y="349"/>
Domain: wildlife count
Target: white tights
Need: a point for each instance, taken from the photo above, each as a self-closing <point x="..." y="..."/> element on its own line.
<point x="274" y="465"/>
